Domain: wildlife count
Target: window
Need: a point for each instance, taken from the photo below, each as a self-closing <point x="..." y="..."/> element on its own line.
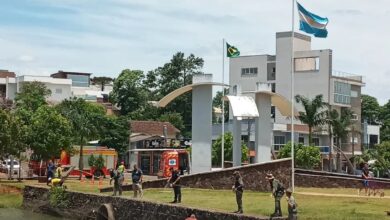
<point x="355" y="140"/>
<point x="342" y="93"/>
<point x="58" y="91"/>
<point x="355" y="117"/>
<point x="249" y="71"/>
<point x="354" y="94"/>
<point x="273" y="112"/>
<point x="316" y="141"/>
<point x="79" y="80"/>
<point x="307" y="64"/>
<point x="301" y="140"/>
<point x="235" y="90"/>
<point x="273" y="89"/>
<point x="279" y="142"/>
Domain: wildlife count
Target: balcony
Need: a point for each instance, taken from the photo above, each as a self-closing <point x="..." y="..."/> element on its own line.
<point x="347" y="76"/>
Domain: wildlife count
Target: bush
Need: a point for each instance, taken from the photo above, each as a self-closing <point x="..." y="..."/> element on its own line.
<point x="306" y="157"/>
<point x="58" y="197"/>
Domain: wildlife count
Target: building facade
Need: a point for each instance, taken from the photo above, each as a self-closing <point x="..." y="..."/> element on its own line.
<point x="313" y="75"/>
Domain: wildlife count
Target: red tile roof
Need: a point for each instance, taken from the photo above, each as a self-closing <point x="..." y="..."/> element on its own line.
<point x="6" y="73"/>
<point x="154" y="128"/>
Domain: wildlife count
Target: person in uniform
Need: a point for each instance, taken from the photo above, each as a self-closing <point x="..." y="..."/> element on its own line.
<point x="292" y="205"/>
<point x="277" y="192"/>
<point x="238" y="188"/>
<point x="57" y="180"/>
<point x="136" y="177"/>
<point x="115" y="176"/>
<point x="174" y="182"/>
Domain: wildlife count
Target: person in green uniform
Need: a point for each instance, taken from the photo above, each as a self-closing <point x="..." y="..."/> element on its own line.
<point x="121" y="172"/>
<point x="238" y="188"/>
<point x="277" y="192"/>
<point x="292" y="205"/>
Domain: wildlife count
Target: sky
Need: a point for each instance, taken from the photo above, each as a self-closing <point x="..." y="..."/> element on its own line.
<point x="104" y="37"/>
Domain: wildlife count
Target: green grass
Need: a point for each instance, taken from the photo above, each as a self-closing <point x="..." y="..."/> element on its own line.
<point x="260" y="203"/>
<point x="255" y="203"/>
<point x="11" y="200"/>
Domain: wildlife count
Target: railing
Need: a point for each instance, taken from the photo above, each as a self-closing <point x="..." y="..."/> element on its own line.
<point x="347" y="75"/>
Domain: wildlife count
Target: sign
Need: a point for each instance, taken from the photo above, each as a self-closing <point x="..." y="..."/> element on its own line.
<point x="172" y="162"/>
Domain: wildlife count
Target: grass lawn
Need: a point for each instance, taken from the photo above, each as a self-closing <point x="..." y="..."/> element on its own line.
<point x="255" y="203"/>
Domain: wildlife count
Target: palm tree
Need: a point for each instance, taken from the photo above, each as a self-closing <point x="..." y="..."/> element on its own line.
<point x="340" y="124"/>
<point x="314" y="114"/>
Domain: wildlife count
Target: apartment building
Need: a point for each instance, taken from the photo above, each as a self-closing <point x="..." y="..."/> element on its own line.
<point x="313" y="75"/>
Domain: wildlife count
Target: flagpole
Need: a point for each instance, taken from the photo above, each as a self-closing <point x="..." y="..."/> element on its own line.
<point x="223" y="105"/>
<point x="292" y="97"/>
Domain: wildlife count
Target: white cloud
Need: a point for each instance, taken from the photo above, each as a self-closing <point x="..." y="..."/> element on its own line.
<point x="108" y="36"/>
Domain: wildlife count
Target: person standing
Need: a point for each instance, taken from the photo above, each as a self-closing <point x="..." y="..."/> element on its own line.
<point x="174" y="182"/>
<point x="121" y="172"/>
<point x="238" y="188"/>
<point x="136" y="177"/>
<point x="115" y="176"/>
<point x="292" y="205"/>
<point x="50" y="171"/>
<point x="277" y="192"/>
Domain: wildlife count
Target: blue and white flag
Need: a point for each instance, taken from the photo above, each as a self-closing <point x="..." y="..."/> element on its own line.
<point x="311" y="23"/>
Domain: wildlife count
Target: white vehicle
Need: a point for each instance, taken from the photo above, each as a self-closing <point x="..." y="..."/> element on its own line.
<point x="6" y="166"/>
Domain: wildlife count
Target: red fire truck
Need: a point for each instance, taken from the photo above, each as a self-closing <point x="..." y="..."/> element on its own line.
<point x="110" y="157"/>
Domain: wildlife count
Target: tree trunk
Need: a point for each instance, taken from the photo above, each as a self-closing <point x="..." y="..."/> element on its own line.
<point x="330" y="164"/>
<point x="81" y="160"/>
<point x="20" y="169"/>
<point x="338" y="164"/>
<point x="11" y="167"/>
<point x="310" y="134"/>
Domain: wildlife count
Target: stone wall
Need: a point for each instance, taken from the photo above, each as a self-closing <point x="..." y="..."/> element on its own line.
<point x="253" y="176"/>
<point x="84" y="206"/>
<point x="319" y="179"/>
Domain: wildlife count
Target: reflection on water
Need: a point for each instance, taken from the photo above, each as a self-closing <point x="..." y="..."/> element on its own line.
<point x="19" y="214"/>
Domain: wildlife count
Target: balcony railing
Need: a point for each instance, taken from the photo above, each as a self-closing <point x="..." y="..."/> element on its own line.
<point x="346" y="75"/>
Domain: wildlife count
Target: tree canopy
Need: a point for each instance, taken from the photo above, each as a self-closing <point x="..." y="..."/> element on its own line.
<point x="370" y="109"/>
<point x="314" y="113"/>
<point x="228" y="149"/>
<point x="129" y="93"/>
<point x="32" y="95"/>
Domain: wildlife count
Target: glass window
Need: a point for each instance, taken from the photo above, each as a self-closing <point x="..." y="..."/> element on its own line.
<point x="279" y="142"/>
<point x="316" y="141"/>
<point x="307" y="64"/>
<point x="79" y="80"/>
<point x="249" y="71"/>
<point x="342" y="93"/>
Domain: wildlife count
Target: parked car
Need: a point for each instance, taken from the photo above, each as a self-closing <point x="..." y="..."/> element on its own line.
<point x="6" y="166"/>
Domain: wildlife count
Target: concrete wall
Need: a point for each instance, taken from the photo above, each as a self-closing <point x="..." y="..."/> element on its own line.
<point x="84" y="206"/>
<point x="253" y="176"/>
<point x="320" y="179"/>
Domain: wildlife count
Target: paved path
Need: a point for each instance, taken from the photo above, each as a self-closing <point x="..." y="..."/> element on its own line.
<point x="340" y="195"/>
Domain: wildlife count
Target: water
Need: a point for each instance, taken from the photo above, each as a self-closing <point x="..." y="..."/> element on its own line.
<point x="20" y="214"/>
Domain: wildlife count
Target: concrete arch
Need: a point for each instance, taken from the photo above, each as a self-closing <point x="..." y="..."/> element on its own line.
<point x="202" y="112"/>
<point x="178" y="92"/>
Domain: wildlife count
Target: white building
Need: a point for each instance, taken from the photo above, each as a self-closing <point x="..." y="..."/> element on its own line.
<point x="313" y="76"/>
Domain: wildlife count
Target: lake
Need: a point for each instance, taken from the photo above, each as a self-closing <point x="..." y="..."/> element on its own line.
<point x="19" y="214"/>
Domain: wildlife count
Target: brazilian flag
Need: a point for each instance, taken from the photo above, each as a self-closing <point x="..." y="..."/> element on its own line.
<point x="232" y="51"/>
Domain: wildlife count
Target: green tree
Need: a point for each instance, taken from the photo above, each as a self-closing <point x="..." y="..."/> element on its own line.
<point x="174" y="118"/>
<point x="49" y="133"/>
<point x="85" y="122"/>
<point x="101" y="81"/>
<point x="308" y="157"/>
<point x="217" y="102"/>
<point x="384" y="118"/>
<point x="340" y="127"/>
<point x="314" y="113"/>
<point x="285" y="151"/>
<point x="91" y="160"/>
<point x="115" y="133"/>
<point x="228" y="149"/>
<point x="370" y="109"/>
<point x="129" y="93"/>
<point x="13" y="135"/>
<point x="32" y="95"/>
<point x="171" y="76"/>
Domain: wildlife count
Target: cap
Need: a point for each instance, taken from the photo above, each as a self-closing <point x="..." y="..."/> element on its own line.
<point x="269" y="176"/>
